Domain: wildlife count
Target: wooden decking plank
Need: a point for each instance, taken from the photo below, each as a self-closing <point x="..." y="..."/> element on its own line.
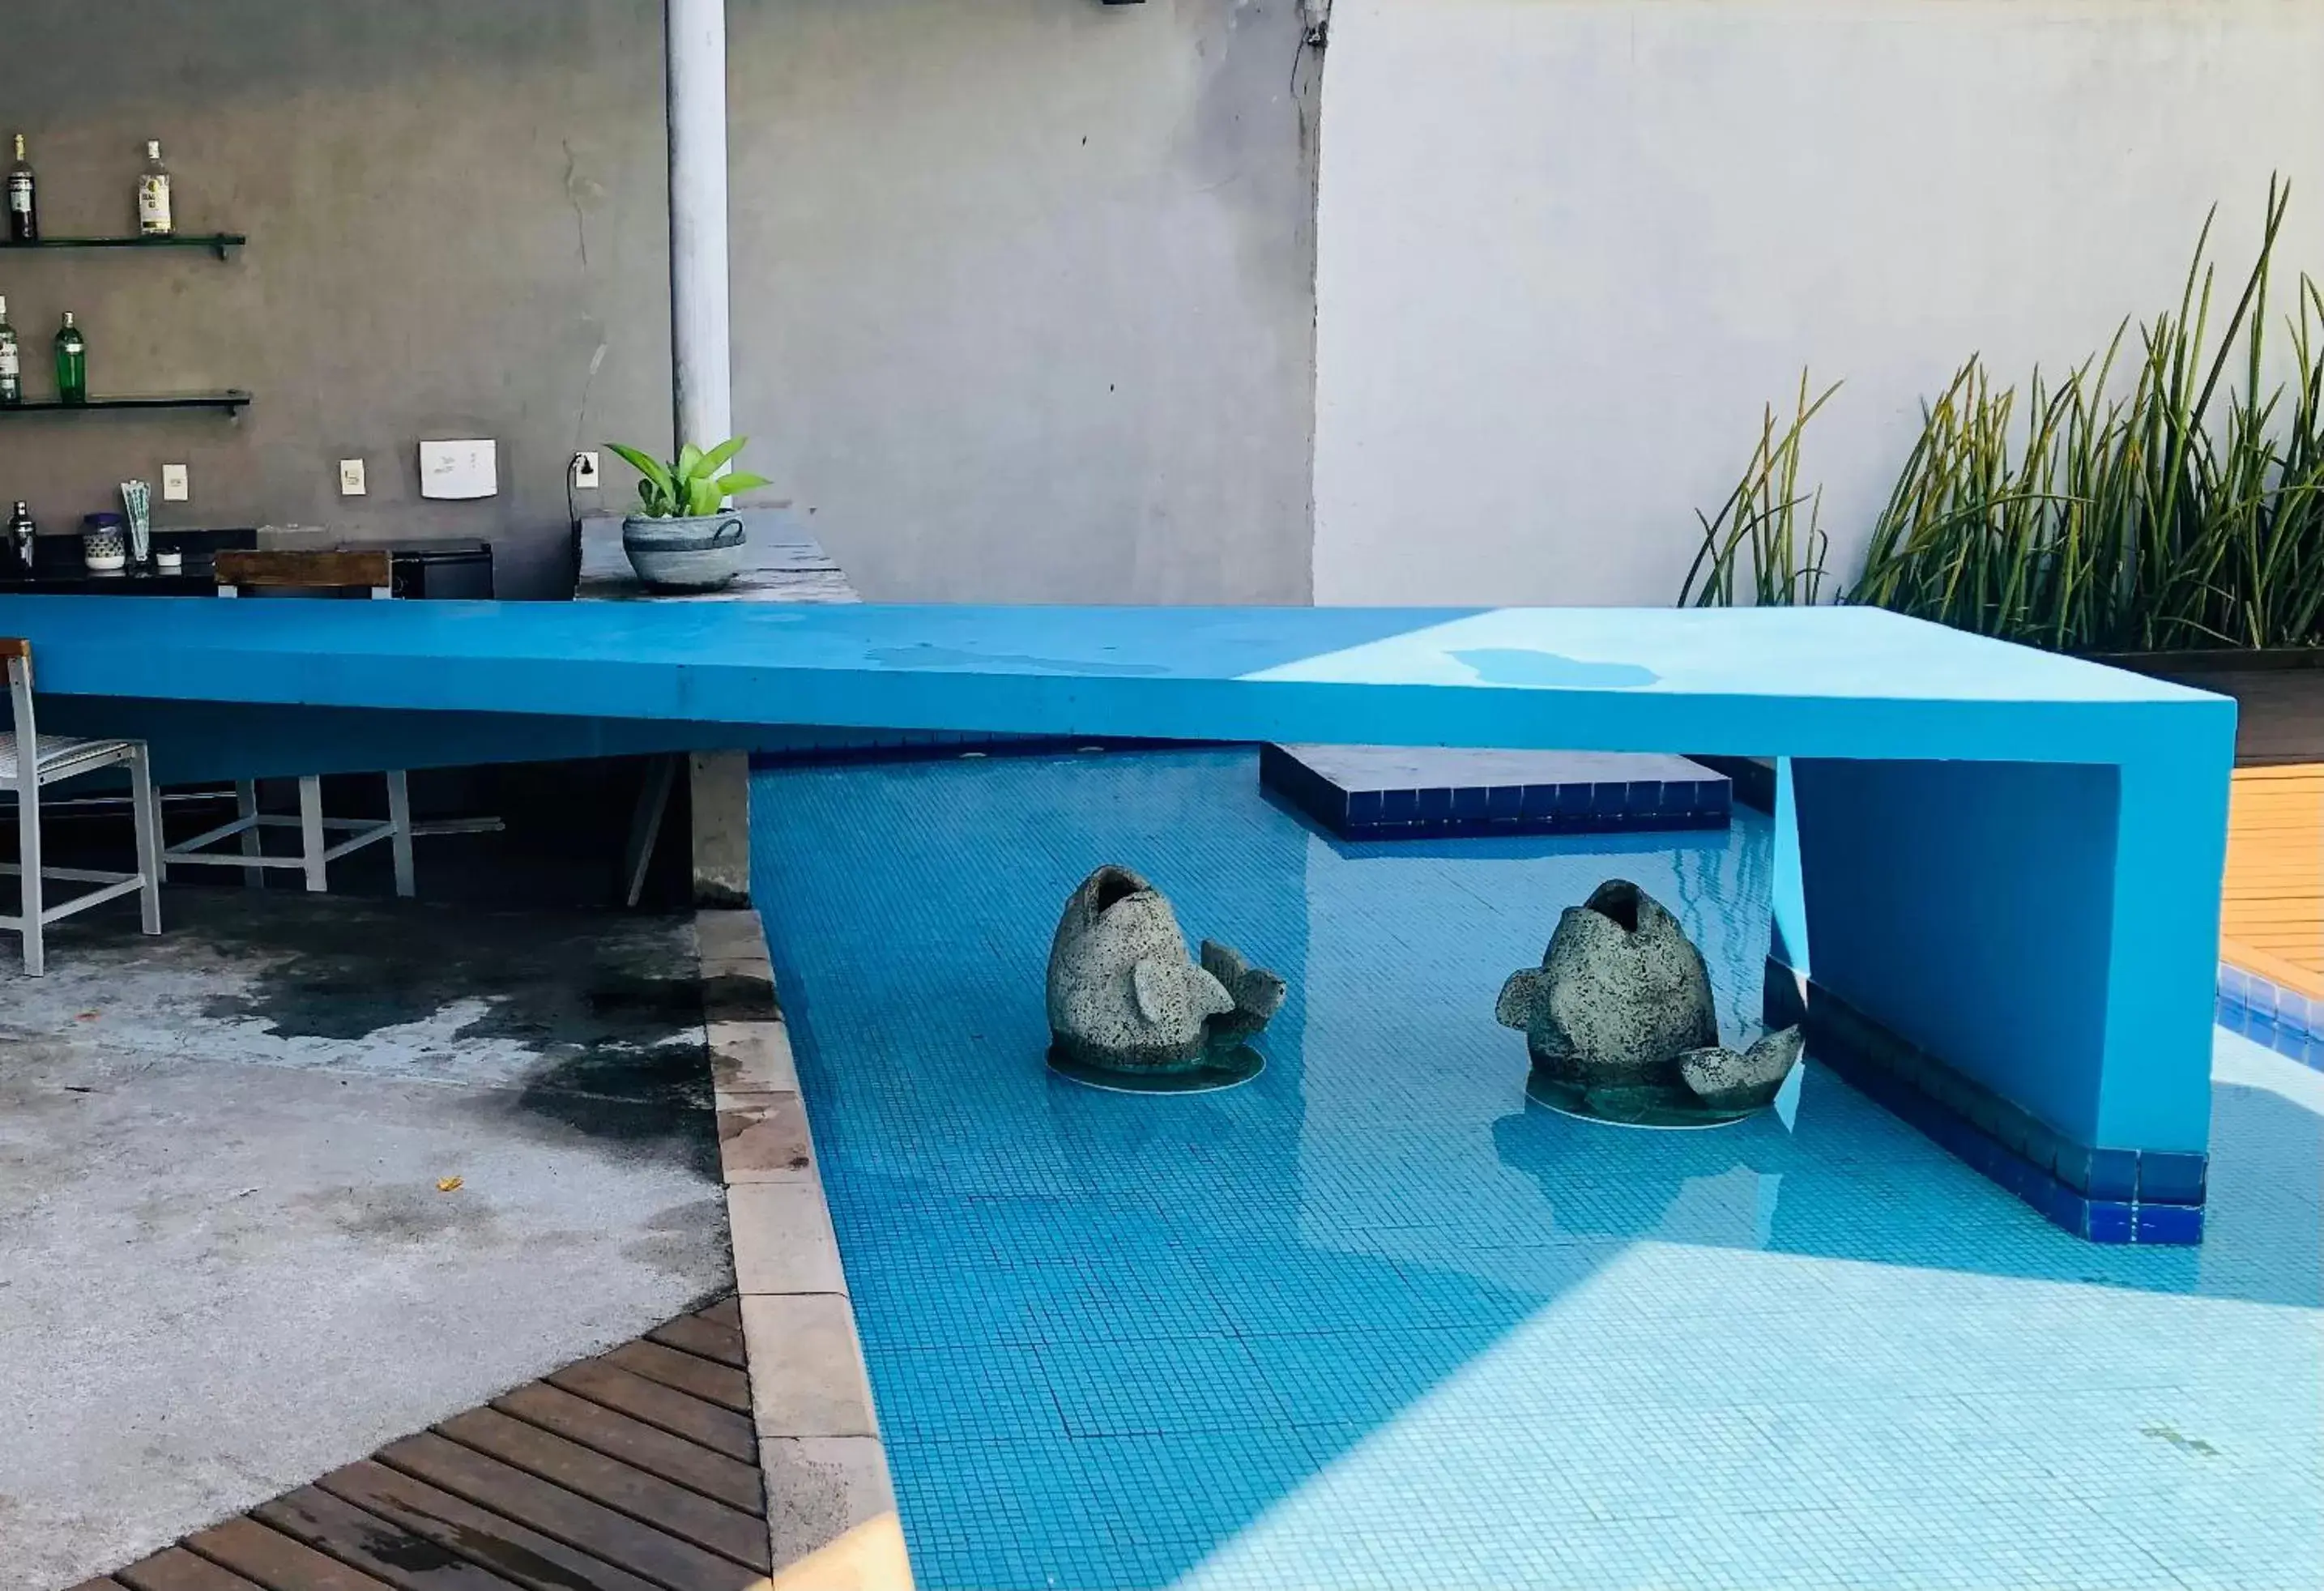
<point x="2272" y="965"/>
<point x="173" y="1569"/>
<point x="690" y="1334"/>
<point x="554" y="1512"/>
<point x="100" y="1584"/>
<point x="644" y="1497"/>
<point x="2272" y="901"/>
<point x="716" y="1384"/>
<point x="725" y="1312"/>
<point x="720" y="1430"/>
<point x="378" y="1547"/>
<point x="526" y="1557"/>
<point x="638" y="1444"/>
<point x="275" y="1561"/>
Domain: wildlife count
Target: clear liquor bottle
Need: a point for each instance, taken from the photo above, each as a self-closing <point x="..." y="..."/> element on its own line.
<point x="154" y="215"/>
<point x="11" y="362"/>
<point x="72" y="362"/>
<point x="24" y="539"/>
<point x="23" y="201"/>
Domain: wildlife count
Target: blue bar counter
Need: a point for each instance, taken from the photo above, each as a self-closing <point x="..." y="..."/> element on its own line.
<point x="2005" y="889"/>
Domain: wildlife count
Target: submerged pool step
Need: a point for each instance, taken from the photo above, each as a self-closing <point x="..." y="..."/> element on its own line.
<point x="1426" y="793"/>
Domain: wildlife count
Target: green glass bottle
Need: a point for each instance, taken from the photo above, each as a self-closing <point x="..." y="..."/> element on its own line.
<point x="11" y="366"/>
<point x="24" y="206"/>
<point x="72" y="362"/>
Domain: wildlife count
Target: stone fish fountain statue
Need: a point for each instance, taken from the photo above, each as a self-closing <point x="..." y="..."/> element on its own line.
<point x="1620" y="1021"/>
<point x="1128" y="1009"/>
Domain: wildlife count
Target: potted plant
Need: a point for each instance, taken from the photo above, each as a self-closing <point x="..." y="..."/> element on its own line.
<point x="683" y="536"/>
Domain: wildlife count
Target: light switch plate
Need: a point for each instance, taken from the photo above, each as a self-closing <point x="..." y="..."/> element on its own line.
<point x="175" y="485"/>
<point x="469" y="468"/>
<point x="351" y="477"/>
<point x="585" y="478"/>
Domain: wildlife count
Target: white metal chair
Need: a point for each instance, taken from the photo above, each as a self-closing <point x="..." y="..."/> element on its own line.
<point x="307" y="573"/>
<point x="29" y="762"/>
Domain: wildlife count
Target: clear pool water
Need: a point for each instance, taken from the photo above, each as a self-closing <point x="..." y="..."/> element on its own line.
<point x="1374" y="1320"/>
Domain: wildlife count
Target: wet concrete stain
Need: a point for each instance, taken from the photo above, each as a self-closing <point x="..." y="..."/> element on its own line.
<point x="347" y="970"/>
<point x="652" y="1103"/>
<point x="611" y="1006"/>
<point x="405" y="1217"/>
<point x="683" y="1240"/>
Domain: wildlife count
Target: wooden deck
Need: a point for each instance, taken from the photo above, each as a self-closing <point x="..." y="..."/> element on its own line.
<point x="2271" y="910"/>
<point x="2272" y="906"/>
<point x="634" y="1471"/>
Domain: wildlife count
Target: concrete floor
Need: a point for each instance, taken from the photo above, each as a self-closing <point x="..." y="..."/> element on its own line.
<point x="225" y="1265"/>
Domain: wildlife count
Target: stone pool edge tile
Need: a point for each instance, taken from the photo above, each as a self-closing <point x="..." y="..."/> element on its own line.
<point x="831" y="1502"/>
<point x="2271" y="1014"/>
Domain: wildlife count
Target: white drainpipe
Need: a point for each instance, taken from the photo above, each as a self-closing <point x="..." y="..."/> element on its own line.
<point x="700" y="315"/>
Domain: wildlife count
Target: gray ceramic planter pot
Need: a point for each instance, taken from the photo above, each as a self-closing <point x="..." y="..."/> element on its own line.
<point x="698" y="554"/>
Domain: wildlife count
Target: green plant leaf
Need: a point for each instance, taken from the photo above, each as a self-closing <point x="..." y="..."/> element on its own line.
<point x="716" y="459"/>
<point x="655" y="488"/>
<point x="740" y="481"/>
<point x="689" y="467"/>
<point x="701" y="496"/>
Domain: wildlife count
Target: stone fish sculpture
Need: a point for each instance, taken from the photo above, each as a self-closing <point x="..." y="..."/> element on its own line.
<point x="1620" y="1021"/>
<point x="1125" y="1000"/>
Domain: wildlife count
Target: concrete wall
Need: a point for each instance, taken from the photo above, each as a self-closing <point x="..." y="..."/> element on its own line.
<point x="1570" y="247"/>
<point x="1023" y="289"/>
<point x="1024" y="292"/>
<point x="457" y="229"/>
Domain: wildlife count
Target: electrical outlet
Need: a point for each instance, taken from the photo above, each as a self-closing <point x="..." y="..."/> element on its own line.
<point x="175" y="485"/>
<point x="584" y="470"/>
<point x="351" y="477"/>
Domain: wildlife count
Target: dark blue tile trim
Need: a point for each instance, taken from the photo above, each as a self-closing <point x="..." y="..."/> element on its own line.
<point x="2266" y="1013"/>
<point x="2104" y="1195"/>
<point x="1485" y="811"/>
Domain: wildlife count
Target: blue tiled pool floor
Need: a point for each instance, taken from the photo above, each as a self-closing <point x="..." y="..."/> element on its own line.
<point x="1374" y="1320"/>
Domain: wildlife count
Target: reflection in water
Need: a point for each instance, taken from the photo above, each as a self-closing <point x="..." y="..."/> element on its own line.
<point x="1217" y="1068"/>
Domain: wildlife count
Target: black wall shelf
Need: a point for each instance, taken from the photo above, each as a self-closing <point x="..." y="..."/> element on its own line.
<point x="228" y="403"/>
<point x="217" y="242"/>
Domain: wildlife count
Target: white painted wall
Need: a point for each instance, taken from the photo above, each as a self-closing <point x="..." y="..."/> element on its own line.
<point x="1569" y="248"/>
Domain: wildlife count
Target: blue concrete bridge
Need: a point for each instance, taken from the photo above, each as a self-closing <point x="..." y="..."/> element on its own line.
<point x="2001" y="910"/>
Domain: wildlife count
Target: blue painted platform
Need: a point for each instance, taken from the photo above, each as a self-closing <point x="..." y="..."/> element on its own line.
<point x="2009" y="860"/>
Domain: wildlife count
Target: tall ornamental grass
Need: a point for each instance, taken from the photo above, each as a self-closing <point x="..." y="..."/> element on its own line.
<point x="2182" y="513"/>
<point x="1760" y="523"/>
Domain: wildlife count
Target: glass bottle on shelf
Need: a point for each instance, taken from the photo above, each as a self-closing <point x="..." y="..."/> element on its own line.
<point x="23" y="536"/>
<point x="72" y="362"/>
<point x="12" y="363"/>
<point x="154" y="218"/>
<point x="24" y="205"/>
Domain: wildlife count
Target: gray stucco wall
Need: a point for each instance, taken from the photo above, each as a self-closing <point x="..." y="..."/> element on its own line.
<point x="1025" y="291"/>
<point x="452" y="207"/>
<point x="988" y="360"/>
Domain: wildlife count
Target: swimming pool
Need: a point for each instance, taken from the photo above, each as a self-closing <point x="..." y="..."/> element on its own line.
<point x="1375" y="1321"/>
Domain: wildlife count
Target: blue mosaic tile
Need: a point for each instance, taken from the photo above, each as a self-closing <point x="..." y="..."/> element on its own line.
<point x="1161" y="1386"/>
<point x="1352" y="790"/>
<point x="2093" y="1192"/>
<point x="1374" y="1320"/>
<point x="2284" y="1019"/>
